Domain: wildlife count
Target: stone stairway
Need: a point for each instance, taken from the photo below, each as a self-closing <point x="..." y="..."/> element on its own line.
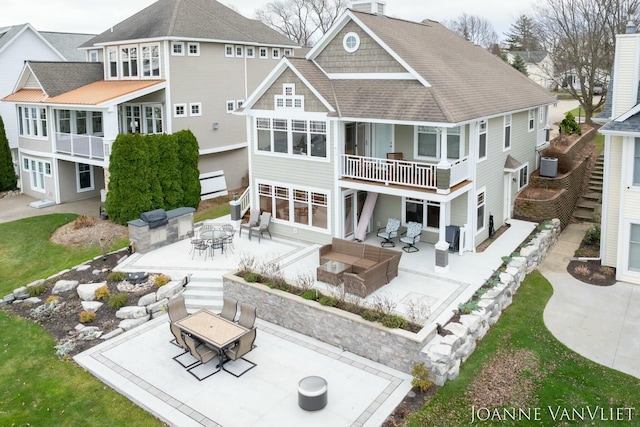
<point x="203" y="292"/>
<point x="589" y="205"/>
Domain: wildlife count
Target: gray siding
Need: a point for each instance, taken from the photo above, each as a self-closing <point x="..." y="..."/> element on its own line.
<point x="311" y="102"/>
<point x="233" y="163"/>
<point x="69" y="186"/>
<point x="369" y="58"/>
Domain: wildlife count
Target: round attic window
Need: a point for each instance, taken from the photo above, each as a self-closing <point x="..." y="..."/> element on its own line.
<point x="351" y="42"/>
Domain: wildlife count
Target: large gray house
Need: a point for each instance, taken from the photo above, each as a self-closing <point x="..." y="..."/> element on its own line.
<point x="177" y="64"/>
<point x="387" y="118"/>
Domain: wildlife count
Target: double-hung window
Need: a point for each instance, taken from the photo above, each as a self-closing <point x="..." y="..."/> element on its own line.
<point x="532" y="120"/>
<point x="507" y="131"/>
<point x="33" y="121"/>
<point x="424" y="212"/>
<point x="523" y="176"/>
<point x="297" y="137"/>
<point x="112" y="54"/>
<point x="129" y="61"/>
<point x="482" y="140"/>
<point x="480" y="210"/>
<point x="428" y="142"/>
<point x="151" y="60"/>
<point x="634" y="247"/>
<point x="636" y="163"/>
<point x="84" y="177"/>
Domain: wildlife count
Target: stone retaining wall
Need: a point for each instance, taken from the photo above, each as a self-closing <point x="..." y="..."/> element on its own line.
<point x="396" y="348"/>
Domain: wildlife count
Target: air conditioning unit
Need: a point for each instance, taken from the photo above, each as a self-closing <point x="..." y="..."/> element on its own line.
<point x="549" y="167"/>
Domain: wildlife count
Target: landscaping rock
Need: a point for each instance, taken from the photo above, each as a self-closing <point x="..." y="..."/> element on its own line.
<point x="112" y="334"/>
<point x="128" y="324"/>
<point x="91" y="305"/>
<point x="130" y="312"/>
<point x="157" y="306"/>
<point x="169" y="290"/>
<point x="83" y="267"/>
<point x="21" y="293"/>
<point x="36" y="283"/>
<point x="87" y="292"/>
<point x="64" y="286"/>
<point x="33" y="300"/>
<point x="8" y="298"/>
<point x="147" y="299"/>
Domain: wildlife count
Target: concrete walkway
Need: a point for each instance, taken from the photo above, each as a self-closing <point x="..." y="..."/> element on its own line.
<point x="601" y="323"/>
<point x="14" y="208"/>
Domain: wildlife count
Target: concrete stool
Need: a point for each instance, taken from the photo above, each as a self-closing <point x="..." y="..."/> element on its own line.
<point x="312" y="393"/>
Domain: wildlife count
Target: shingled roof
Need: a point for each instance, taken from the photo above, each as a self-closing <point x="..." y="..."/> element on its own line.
<point x="191" y="19"/>
<point x="60" y="77"/>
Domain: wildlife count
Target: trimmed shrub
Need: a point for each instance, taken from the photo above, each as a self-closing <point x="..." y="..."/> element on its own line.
<point x="188" y="157"/>
<point x="161" y="280"/>
<point x="253" y="278"/>
<point x="169" y="171"/>
<point x="371" y="315"/>
<point x="87" y="316"/>
<point x="117" y="301"/>
<point x="103" y="293"/>
<point x="394" y="321"/>
<point x="569" y="126"/>
<point x="116" y="276"/>
<point x="8" y="178"/>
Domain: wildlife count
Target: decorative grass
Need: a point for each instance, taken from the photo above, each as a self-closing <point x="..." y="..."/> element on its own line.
<point x="557" y="377"/>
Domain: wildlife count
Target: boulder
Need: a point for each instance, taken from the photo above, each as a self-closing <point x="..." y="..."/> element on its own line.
<point x="169" y="290"/>
<point x="91" y="305"/>
<point x="128" y="324"/>
<point x="147" y="299"/>
<point x="33" y="300"/>
<point x="64" y="286"/>
<point x="87" y="291"/>
<point x="131" y="312"/>
<point x="157" y="307"/>
<point x="21" y="293"/>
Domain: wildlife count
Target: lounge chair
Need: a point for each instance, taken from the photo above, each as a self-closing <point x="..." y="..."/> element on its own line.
<point x="229" y="308"/>
<point x="411" y="237"/>
<point x="243" y="346"/>
<point x="254" y="219"/>
<point x="204" y="355"/>
<point x="247" y="315"/>
<point x="265" y="219"/>
<point x="389" y="232"/>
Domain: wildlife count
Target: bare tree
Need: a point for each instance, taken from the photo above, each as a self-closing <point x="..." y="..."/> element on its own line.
<point x="580" y="37"/>
<point x="303" y="21"/>
<point x="475" y="29"/>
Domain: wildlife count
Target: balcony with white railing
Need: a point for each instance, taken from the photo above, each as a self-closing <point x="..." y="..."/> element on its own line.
<point x="84" y="146"/>
<point x="400" y="172"/>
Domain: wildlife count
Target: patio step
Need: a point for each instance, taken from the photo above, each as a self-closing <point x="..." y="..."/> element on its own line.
<point x="203" y="292"/>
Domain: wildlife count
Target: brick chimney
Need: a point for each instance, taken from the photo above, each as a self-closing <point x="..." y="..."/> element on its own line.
<point x="377" y="7"/>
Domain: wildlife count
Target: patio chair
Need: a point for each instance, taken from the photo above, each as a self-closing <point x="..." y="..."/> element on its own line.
<point x="389" y="232"/>
<point x="265" y="219"/>
<point x="229" y="308"/>
<point x="254" y="219"/>
<point x="411" y="237"/>
<point x="177" y="310"/>
<point x="243" y="346"/>
<point x="227" y="241"/>
<point x="204" y="355"/>
<point x="200" y="246"/>
<point x="247" y="315"/>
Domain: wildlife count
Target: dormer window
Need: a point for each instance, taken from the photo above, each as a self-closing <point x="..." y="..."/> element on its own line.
<point x="289" y="99"/>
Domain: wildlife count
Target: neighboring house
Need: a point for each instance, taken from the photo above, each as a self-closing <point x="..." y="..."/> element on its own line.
<point x="177" y="64"/>
<point x="19" y="43"/>
<point x="539" y="66"/>
<point x="620" y="224"/>
<point x="387" y="118"/>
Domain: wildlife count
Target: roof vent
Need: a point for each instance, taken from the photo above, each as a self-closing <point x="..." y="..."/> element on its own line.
<point x="631" y="28"/>
<point x="377" y="7"/>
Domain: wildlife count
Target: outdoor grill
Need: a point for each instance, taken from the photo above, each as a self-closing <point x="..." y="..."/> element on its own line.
<point x="155" y="218"/>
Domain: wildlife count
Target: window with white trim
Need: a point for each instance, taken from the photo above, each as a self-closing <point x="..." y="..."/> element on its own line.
<point x="193" y="49"/>
<point x="94" y="56"/>
<point x="231" y="106"/>
<point x="228" y="50"/>
<point x="424" y="212"/>
<point x="129" y="61"/>
<point x="634" y="247"/>
<point x="143" y="118"/>
<point x="523" y="176"/>
<point x="33" y="121"/>
<point x="351" y="42"/>
<point x="152" y="119"/>
<point x="532" y="120"/>
<point x="289" y="100"/>
<point x="151" y="60"/>
<point x="275" y="53"/>
<point x="482" y="140"/>
<point x="251" y="52"/>
<point x="239" y="51"/>
<point x="179" y="110"/>
<point x="239" y="103"/>
<point x="296" y="206"/>
<point x="288" y="52"/>
<point x="507" y="132"/>
<point x="195" y="109"/>
<point x="541" y="115"/>
<point x="427" y="142"/>
<point x="636" y="163"/>
<point x="112" y="54"/>
<point x="177" y="49"/>
<point x="264" y="53"/>
<point x="291" y="136"/>
<point x="37" y="170"/>
<point x="480" y="210"/>
<point x="84" y="177"/>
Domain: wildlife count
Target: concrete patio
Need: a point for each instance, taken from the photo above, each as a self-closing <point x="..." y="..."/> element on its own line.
<point x="139" y="364"/>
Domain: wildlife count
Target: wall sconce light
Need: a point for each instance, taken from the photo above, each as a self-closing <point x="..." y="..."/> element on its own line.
<point x="215" y="126"/>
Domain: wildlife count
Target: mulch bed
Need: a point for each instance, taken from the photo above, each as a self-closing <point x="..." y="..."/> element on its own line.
<point x="412" y="403"/>
<point x="591" y="271"/>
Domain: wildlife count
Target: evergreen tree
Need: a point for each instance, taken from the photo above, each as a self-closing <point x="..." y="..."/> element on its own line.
<point x="8" y="178"/>
<point x="153" y="143"/>
<point x="523" y="35"/>
<point x="129" y="192"/>
<point x="188" y="157"/>
<point x="169" y="171"/>
<point x="520" y="65"/>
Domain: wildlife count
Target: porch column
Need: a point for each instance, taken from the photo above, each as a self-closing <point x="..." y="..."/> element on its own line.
<point x="443" y="169"/>
<point x="442" y="247"/>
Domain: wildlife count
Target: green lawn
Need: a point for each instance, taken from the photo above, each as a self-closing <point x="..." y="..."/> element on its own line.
<point x="599" y="143"/>
<point x="213" y="212"/>
<point x="36" y="388"/>
<point x="547" y="376"/>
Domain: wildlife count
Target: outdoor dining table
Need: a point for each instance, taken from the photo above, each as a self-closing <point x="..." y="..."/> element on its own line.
<point x="215" y="235"/>
<point x="213" y="330"/>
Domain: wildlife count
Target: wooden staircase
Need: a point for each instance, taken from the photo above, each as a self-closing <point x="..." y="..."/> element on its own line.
<point x="589" y="205"/>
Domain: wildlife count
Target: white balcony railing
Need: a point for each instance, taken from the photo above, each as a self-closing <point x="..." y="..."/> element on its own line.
<point x="87" y="146"/>
<point x="400" y="172"/>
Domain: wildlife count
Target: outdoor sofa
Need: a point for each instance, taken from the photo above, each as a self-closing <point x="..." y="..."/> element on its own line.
<point x="371" y="266"/>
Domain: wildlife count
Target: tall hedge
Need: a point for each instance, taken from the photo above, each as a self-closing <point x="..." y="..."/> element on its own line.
<point x="8" y="179"/>
<point x="169" y="171"/>
<point x="129" y="183"/>
<point x="153" y="143"/>
<point x="188" y="157"/>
